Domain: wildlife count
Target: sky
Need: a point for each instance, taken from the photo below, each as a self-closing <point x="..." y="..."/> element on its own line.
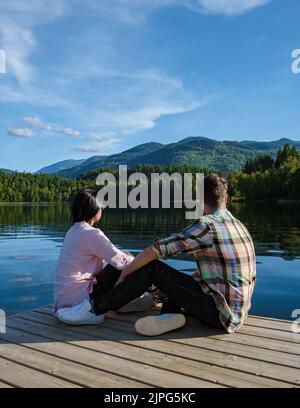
<point x="96" y="77"/>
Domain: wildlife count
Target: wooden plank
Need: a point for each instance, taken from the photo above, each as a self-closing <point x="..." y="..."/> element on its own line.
<point x="83" y="376"/>
<point x="233" y="347"/>
<point x="237" y="338"/>
<point x="79" y="345"/>
<point x="169" y="363"/>
<point x="175" y="363"/>
<point x="204" y="344"/>
<point x="25" y="377"/>
<point x="285" y="336"/>
<point x="227" y="346"/>
<point x="197" y="329"/>
<point x="269" y="324"/>
<point x="4" y="385"/>
<point x="213" y="358"/>
<point x="258" y="317"/>
<point x="263" y="321"/>
<point x="271" y="334"/>
<point x="259" y="321"/>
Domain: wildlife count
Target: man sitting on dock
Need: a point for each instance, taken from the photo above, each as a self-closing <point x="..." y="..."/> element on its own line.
<point x="218" y="294"/>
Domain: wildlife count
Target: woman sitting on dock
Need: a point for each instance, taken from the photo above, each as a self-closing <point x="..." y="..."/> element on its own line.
<point x="81" y="262"/>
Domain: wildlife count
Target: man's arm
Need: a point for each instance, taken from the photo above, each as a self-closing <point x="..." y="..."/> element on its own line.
<point x="143" y="258"/>
<point x="191" y="239"/>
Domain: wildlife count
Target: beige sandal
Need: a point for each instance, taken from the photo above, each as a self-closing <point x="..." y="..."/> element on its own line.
<point x="156" y="325"/>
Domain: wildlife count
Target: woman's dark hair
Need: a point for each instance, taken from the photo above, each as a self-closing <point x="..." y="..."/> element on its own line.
<point x="215" y="190"/>
<point x="85" y="206"/>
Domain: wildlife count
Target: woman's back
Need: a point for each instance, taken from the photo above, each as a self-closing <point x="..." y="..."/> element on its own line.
<point x="83" y="252"/>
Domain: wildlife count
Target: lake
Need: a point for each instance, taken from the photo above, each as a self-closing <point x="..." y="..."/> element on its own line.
<point x="31" y="237"/>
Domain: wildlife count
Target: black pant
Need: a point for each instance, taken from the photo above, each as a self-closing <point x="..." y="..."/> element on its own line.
<point x="184" y="293"/>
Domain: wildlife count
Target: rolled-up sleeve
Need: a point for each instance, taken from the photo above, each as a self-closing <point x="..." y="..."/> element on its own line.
<point x="102" y="247"/>
<point x="193" y="238"/>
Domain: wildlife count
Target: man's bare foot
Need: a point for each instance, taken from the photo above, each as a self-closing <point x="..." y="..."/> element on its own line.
<point x="140" y="304"/>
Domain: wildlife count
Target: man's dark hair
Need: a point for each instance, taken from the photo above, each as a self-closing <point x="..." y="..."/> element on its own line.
<point x="215" y="190"/>
<point x="85" y="206"/>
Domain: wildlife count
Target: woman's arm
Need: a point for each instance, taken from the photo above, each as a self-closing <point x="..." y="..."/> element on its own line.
<point x="143" y="258"/>
<point x="102" y="247"/>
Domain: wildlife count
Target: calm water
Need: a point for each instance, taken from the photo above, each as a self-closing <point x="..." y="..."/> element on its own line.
<point x="31" y="237"/>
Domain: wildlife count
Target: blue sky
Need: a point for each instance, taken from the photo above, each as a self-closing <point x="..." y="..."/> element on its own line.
<point x="87" y="77"/>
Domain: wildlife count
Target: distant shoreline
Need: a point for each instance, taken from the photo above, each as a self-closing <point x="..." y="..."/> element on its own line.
<point x="232" y="200"/>
<point x="32" y="203"/>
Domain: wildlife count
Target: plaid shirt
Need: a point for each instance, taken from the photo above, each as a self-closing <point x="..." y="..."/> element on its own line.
<point x="225" y="258"/>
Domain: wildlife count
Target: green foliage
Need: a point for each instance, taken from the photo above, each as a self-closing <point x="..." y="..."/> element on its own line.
<point x="288" y="154"/>
<point x="146" y="169"/>
<point x="226" y="156"/>
<point x="27" y="187"/>
<point x="263" y="178"/>
<point x="260" y="163"/>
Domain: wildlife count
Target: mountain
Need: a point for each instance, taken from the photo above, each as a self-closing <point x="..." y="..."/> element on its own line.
<point x="198" y="151"/>
<point x="130" y="157"/>
<point x="270" y="147"/>
<point x="56" y="167"/>
<point x="7" y="171"/>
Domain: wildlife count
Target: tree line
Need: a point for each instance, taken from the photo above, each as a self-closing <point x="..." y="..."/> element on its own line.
<point x="27" y="187"/>
<point x="263" y="177"/>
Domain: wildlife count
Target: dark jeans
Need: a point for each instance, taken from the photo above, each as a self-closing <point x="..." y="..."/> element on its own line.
<point x="184" y="293"/>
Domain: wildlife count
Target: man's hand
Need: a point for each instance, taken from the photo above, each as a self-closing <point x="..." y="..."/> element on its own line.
<point x="143" y="258"/>
<point x="121" y="278"/>
<point x="158" y="296"/>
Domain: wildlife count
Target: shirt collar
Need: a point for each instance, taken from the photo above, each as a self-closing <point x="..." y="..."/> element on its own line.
<point x="221" y="211"/>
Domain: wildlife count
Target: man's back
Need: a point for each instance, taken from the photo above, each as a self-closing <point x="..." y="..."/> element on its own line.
<point x="225" y="256"/>
<point x="227" y="268"/>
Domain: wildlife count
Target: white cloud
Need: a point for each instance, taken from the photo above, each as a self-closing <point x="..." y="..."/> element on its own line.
<point x="128" y="122"/>
<point x="18" y="19"/>
<point x="98" y="137"/>
<point x="35" y="10"/>
<point x="18" y="43"/>
<point x="123" y="101"/>
<point x="128" y="11"/>
<point x="135" y="11"/>
<point x="37" y="122"/>
<point x="10" y="93"/>
<point x="71" y="132"/>
<point x="117" y="97"/>
<point x="230" y="7"/>
<point x="20" y="132"/>
<point x="92" y="149"/>
<point x="103" y="137"/>
<point x="98" y="143"/>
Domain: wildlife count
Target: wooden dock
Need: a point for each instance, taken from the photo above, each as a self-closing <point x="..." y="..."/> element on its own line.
<point x="40" y="351"/>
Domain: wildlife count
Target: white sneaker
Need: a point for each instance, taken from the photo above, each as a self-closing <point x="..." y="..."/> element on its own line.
<point x="139" y="304"/>
<point x="79" y="314"/>
<point x="156" y="325"/>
